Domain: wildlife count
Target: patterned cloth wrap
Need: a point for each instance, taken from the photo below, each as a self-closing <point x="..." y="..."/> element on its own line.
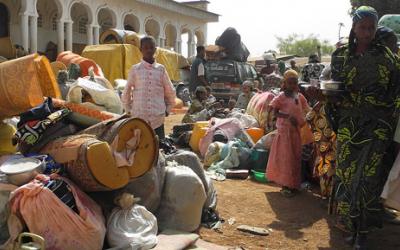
<point x="31" y="132"/>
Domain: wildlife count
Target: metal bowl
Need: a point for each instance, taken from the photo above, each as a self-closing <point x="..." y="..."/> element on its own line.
<point x="23" y="170"/>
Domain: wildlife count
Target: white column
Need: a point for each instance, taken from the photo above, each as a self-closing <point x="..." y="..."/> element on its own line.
<point x="162" y="42"/>
<point x="189" y="46"/>
<point x="33" y="33"/>
<point x="180" y="47"/>
<point x="89" y="30"/>
<point x="60" y="36"/>
<point x="96" y="34"/>
<point x="193" y="48"/>
<point x="176" y="47"/>
<point x="69" y="35"/>
<point x="25" y="31"/>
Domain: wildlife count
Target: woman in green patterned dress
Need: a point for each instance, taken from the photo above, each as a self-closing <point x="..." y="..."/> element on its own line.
<point x="366" y="118"/>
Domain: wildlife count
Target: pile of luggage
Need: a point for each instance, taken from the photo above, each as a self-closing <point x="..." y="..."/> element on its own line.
<point x="78" y="174"/>
<point x="228" y="46"/>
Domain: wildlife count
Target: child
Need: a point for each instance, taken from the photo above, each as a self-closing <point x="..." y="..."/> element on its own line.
<point x="284" y="163"/>
<point x="245" y="97"/>
<point x="198" y="105"/>
<point x="149" y="93"/>
<point x="210" y="98"/>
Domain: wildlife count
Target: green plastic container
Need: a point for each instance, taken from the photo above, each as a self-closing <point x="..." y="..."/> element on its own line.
<point x="259" y="176"/>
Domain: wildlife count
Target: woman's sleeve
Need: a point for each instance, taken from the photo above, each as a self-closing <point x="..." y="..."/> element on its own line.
<point x="304" y="103"/>
<point x="276" y="102"/>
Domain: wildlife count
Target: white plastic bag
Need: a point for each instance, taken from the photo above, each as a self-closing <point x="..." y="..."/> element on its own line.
<point x="211" y="201"/>
<point x="132" y="228"/>
<point x="182" y="200"/>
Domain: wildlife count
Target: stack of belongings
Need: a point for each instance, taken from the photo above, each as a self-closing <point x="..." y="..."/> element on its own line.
<point x="69" y="171"/>
<point x="215" y="52"/>
<point x="231" y="41"/>
<point x="119" y="50"/>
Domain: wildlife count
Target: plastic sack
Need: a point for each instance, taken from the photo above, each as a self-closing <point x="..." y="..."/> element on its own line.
<point x="182" y="200"/>
<point x="192" y="161"/>
<point x="149" y="186"/>
<point x="247" y="121"/>
<point x="211" y="201"/>
<point x="46" y="215"/>
<point x="133" y="228"/>
<point x="266" y="141"/>
<point x="101" y="95"/>
<point x="5" y="190"/>
<point x="213" y="153"/>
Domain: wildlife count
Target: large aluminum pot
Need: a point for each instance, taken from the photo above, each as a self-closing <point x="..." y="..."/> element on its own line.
<point x="22" y="170"/>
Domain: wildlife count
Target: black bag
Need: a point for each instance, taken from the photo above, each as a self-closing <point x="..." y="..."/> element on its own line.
<point x="239" y="53"/>
<point x="229" y="39"/>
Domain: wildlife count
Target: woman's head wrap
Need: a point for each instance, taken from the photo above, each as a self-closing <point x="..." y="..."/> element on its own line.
<point x="363" y="12"/>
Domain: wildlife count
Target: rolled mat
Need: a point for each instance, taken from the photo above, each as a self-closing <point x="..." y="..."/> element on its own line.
<point x="67" y="57"/>
<point x="124" y="128"/>
<point x="19" y="86"/>
<point x="77" y="108"/>
<point x="90" y="162"/>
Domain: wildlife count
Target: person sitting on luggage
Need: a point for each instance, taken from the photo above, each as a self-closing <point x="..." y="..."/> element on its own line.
<point x="198" y="105"/>
<point x="246" y="95"/>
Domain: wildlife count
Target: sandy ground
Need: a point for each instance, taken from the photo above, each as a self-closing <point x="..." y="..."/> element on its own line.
<point x="300" y="222"/>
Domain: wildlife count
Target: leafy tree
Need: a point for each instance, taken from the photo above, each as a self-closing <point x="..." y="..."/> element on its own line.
<point x="382" y="6"/>
<point x="296" y="44"/>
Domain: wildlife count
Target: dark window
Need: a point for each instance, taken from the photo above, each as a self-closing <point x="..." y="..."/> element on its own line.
<point x="4" y="25"/>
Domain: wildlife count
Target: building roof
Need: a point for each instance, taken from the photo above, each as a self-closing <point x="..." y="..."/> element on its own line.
<point x="183" y="9"/>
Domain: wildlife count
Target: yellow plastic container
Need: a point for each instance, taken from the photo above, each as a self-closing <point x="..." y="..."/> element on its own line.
<point x="255" y="133"/>
<point x="199" y="131"/>
<point x="6" y="133"/>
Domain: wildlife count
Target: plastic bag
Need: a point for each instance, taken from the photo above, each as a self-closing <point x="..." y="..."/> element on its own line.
<point x="149" y="186"/>
<point x="191" y="160"/>
<point x="266" y="141"/>
<point x="182" y="200"/>
<point x="46" y="215"/>
<point x="213" y="153"/>
<point x="132" y="227"/>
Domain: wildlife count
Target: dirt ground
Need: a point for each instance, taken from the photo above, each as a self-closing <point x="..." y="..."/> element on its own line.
<point x="300" y="222"/>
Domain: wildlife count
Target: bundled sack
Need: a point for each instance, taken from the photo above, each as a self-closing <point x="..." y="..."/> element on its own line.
<point x="248" y="121"/>
<point x="258" y="107"/>
<point x="149" y="187"/>
<point x="182" y="200"/>
<point x="101" y="96"/>
<point x="19" y="86"/>
<point x="231" y="128"/>
<point x="68" y="57"/>
<point x="131" y="226"/>
<point x="265" y="142"/>
<point x="229" y="39"/>
<point x="89" y="162"/>
<point x="239" y="53"/>
<point x="46" y="215"/>
<point x="128" y="137"/>
<point x="190" y="160"/>
<point x="213" y="153"/>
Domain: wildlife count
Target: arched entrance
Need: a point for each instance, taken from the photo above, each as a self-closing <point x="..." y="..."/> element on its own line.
<point x="106" y="19"/>
<point x="131" y="22"/>
<point x="152" y="28"/>
<point x="4" y="21"/>
<point x="48" y="12"/>
<point x="199" y="37"/>
<point x="82" y="34"/>
<point x="170" y="36"/>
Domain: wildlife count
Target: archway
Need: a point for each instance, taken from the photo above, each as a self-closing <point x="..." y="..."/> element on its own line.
<point x="152" y="28"/>
<point x="170" y="36"/>
<point x="199" y="38"/>
<point x="48" y="12"/>
<point x="81" y="16"/>
<point x="106" y="19"/>
<point x="187" y="39"/>
<point x="4" y="21"/>
<point x="131" y="22"/>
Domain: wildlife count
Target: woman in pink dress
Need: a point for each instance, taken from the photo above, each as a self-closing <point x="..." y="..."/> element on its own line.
<point x="284" y="163"/>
